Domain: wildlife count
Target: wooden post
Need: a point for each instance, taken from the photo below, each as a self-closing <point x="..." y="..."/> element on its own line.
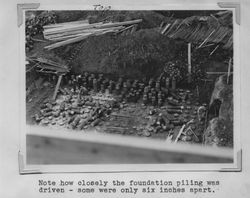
<point x="57" y="87"/>
<point x="179" y="134"/>
<point x="229" y="69"/>
<point x="189" y="63"/>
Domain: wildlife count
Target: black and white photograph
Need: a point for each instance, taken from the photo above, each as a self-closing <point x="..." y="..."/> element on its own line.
<point x="160" y="75"/>
<point x="124" y="98"/>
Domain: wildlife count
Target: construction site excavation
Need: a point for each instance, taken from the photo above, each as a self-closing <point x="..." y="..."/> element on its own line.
<point x="162" y="75"/>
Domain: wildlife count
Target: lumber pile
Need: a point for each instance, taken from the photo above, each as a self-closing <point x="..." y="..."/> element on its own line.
<point x="67" y="33"/>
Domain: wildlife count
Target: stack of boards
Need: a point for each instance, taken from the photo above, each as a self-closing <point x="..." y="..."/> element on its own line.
<point x="71" y="32"/>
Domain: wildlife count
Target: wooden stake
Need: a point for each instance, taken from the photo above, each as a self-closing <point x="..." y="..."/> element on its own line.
<point x="180" y="132"/>
<point x="165" y="29"/>
<point x="214" y="50"/>
<point x="57" y="86"/>
<point x="189" y="63"/>
<point x="206" y="39"/>
<point x="229" y="69"/>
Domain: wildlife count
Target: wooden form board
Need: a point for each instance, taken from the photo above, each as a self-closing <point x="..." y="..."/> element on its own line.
<point x="45" y="146"/>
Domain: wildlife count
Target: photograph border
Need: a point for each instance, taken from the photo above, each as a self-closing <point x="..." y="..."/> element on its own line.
<point x="35" y="169"/>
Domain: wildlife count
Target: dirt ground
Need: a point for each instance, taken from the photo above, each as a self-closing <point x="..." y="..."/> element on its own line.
<point x="34" y="99"/>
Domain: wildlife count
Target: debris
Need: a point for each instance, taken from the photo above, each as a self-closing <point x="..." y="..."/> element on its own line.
<point x="57" y="86"/>
<point x="179" y="134"/>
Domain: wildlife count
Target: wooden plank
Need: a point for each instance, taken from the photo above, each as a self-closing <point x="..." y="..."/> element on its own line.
<point x="69" y="29"/>
<point x="56" y="35"/>
<point x="98" y="26"/>
<point x="60" y="27"/>
<point x="42" y="150"/>
<point x="46" y="146"/>
<point x="57" y="87"/>
<point x="78" y="33"/>
<point x="66" y="33"/>
<point x="66" y="23"/>
<point x="77" y="39"/>
<point x="61" y="38"/>
<point x="90" y="30"/>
